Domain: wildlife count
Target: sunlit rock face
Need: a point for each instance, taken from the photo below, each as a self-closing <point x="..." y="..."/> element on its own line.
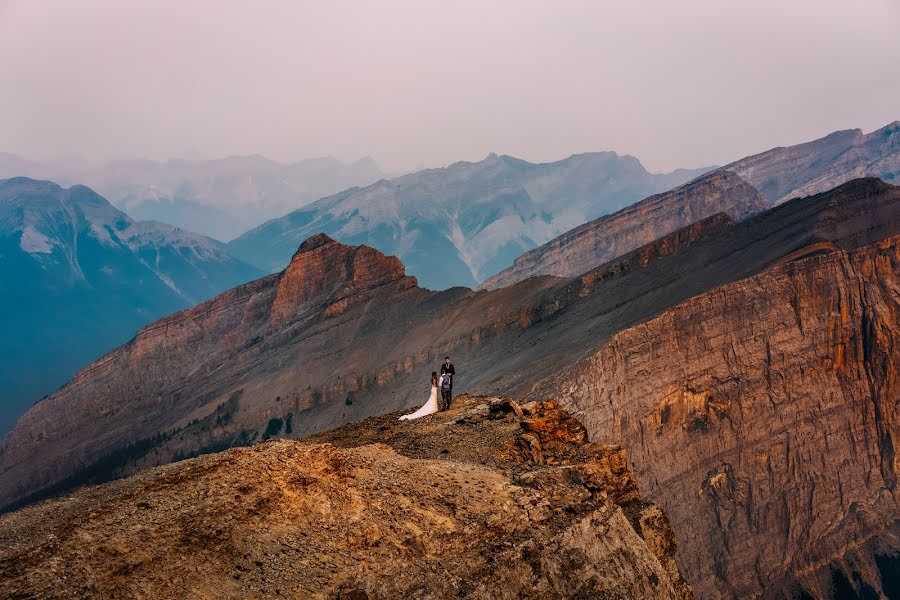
<point x="486" y="500"/>
<point x="762" y="417"/>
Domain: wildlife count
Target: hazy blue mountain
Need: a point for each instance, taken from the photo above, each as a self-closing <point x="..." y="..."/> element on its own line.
<point x="778" y="175"/>
<point x="459" y="224"/>
<point x="823" y="164"/>
<point x="220" y="198"/>
<point x="80" y="277"/>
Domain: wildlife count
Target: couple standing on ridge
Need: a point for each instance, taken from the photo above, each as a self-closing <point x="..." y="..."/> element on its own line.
<point x="444" y="383"/>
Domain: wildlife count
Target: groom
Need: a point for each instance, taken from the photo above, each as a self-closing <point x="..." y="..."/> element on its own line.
<point x="447" y="383"/>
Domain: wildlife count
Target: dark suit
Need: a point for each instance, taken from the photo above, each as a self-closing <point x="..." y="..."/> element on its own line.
<point x="447" y="394"/>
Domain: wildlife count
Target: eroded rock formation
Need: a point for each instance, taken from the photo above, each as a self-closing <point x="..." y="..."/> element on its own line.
<point x="448" y="506"/>
<point x="762" y="416"/>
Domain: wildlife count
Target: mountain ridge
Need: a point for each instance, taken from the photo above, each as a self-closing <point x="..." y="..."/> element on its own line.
<point x="791" y="171"/>
<point x="237" y="327"/>
<point x="777" y="175"/>
<point x="609" y="236"/>
<point x="86" y="277"/>
<point x="218" y="197"/>
<point x="451" y="225"/>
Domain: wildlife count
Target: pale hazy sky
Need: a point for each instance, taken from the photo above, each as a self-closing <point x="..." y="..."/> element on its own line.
<point x="422" y="82"/>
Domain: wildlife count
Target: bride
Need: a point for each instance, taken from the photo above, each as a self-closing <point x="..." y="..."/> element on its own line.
<point x="429" y="407"/>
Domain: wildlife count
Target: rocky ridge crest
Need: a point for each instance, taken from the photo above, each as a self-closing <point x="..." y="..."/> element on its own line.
<point x="487" y="500"/>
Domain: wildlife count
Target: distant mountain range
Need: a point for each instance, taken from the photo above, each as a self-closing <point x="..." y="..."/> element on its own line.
<point x="220" y="198"/>
<point x="457" y="225"/>
<point x="741" y="188"/>
<point x="79" y="277"/>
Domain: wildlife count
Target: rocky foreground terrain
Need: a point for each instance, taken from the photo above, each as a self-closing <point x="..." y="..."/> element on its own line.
<point x="486" y="500"/>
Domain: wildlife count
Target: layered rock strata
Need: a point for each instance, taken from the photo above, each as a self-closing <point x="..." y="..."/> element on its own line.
<point x="603" y="239"/>
<point x="740" y="189"/>
<point x="820" y="165"/>
<point x="762" y="416"/>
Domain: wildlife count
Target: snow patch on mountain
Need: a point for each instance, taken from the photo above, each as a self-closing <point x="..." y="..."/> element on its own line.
<point x="144" y="234"/>
<point x="35" y="242"/>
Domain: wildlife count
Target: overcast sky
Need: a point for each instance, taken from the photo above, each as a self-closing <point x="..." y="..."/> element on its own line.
<point x="676" y="83"/>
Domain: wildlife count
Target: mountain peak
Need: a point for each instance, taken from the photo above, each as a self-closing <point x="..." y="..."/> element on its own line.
<point x="888" y="130"/>
<point x="316" y="241"/>
<point x="326" y="273"/>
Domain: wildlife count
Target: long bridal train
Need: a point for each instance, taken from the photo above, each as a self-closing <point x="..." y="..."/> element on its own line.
<point x="428" y="408"/>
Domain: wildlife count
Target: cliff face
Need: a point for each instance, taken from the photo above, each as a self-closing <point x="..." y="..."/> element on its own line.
<point x="762" y="416"/>
<point x="603" y="239"/>
<point x="471" y="503"/>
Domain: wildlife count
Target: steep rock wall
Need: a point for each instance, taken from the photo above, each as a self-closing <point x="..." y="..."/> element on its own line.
<point x="762" y="416"/>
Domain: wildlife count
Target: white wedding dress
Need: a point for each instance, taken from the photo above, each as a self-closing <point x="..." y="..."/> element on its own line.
<point x="428" y="408"/>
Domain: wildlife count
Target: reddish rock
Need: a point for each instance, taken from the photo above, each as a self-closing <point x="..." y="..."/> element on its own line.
<point x="379" y="509"/>
<point x="761" y="416"/>
<point x="326" y="274"/>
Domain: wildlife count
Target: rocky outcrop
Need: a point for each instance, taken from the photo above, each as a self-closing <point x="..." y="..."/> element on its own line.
<point x="325" y="274"/>
<point x="762" y="417"/>
<point x="448" y="506"/>
<point x="603" y="239"/>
